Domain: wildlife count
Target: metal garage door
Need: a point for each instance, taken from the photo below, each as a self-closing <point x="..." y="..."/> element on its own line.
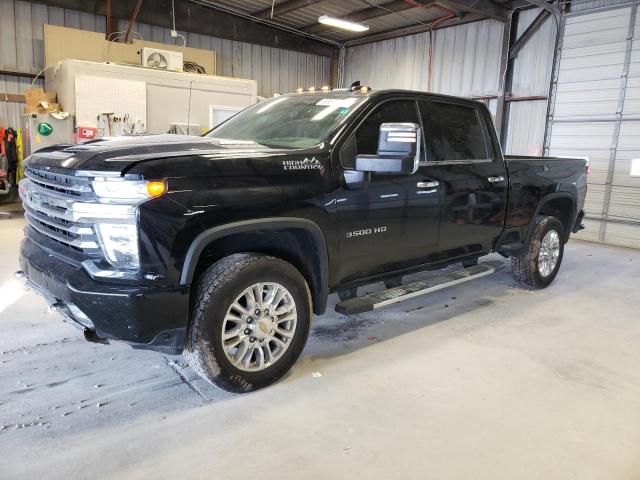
<point x="595" y="112"/>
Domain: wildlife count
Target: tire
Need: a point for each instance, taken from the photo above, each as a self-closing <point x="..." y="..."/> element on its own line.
<point x="222" y="288"/>
<point x="529" y="266"/>
<point x="347" y="293"/>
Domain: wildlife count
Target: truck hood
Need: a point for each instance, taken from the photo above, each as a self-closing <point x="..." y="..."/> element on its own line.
<point x="119" y="154"/>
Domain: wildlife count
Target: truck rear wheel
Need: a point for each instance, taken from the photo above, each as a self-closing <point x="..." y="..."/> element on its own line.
<point x="249" y="323"/>
<point x="539" y="261"/>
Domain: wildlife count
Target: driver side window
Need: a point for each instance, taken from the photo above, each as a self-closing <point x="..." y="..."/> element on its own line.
<point x="365" y="138"/>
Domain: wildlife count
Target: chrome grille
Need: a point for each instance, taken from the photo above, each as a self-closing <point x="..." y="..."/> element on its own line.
<point x="47" y="198"/>
<point x="66" y="184"/>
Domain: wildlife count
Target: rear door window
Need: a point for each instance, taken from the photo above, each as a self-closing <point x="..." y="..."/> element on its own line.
<point x="453" y="132"/>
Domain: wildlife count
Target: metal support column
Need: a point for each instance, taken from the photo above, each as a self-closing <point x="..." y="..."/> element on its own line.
<point x="616" y="129"/>
<point x="503" y="125"/>
<point x="508" y="33"/>
<point x="553" y="86"/>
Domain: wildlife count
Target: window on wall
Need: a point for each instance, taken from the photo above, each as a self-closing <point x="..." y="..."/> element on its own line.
<point x="365" y="140"/>
<point x="453" y="132"/>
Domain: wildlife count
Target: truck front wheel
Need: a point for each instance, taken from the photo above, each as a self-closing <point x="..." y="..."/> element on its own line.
<point x="539" y="261"/>
<point x="249" y="323"/>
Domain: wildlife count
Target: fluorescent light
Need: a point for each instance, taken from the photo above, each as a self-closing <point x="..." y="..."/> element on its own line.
<point x="344" y="24"/>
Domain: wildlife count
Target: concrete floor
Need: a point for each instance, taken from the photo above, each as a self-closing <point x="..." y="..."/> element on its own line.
<point x="481" y="381"/>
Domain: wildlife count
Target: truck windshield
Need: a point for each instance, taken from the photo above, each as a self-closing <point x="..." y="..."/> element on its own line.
<point x="292" y="121"/>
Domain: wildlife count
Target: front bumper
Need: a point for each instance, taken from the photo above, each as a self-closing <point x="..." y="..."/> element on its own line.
<point x="145" y="316"/>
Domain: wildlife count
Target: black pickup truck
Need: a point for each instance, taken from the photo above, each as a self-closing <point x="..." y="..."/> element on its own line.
<point x="222" y="246"/>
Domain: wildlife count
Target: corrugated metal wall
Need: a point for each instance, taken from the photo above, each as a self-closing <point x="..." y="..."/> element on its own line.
<point x="22" y="49"/>
<point x="596" y="113"/>
<point x="402" y="62"/>
<point x="465" y="61"/>
<point x="531" y="77"/>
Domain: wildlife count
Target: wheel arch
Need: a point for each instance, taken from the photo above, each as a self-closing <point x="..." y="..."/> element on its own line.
<point x="288" y="238"/>
<point x="561" y="205"/>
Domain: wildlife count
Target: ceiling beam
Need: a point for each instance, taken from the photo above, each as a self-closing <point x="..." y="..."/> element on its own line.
<point x="284" y="7"/>
<point x="486" y="8"/>
<point x="364" y="14"/>
<point x="412" y="29"/>
<point x="198" y="16"/>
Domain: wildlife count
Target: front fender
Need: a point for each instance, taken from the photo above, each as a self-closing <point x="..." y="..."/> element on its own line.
<point x="320" y="283"/>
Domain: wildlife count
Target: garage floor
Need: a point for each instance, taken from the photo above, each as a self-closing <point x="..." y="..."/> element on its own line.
<point x="483" y="381"/>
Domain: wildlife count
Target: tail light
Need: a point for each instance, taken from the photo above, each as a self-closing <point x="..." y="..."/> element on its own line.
<point x="588" y="167"/>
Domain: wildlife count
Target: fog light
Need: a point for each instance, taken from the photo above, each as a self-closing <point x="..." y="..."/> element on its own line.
<point x="119" y="242"/>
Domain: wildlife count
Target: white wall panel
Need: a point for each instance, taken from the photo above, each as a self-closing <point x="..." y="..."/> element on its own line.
<point x="397" y="63"/>
<point x="465" y="61"/>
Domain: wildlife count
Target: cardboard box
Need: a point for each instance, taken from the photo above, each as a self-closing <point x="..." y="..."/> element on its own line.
<point x="45" y="107"/>
<point x="37" y="98"/>
<point x="33" y="96"/>
<point x="39" y="101"/>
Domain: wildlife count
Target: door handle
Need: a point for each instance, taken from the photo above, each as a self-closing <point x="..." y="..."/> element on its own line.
<point x="496" y="179"/>
<point x="431" y="184"/>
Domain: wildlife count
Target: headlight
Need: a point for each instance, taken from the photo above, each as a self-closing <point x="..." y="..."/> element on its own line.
<point x="119" y="242"/>
<point x="118" y="189"/>
<point x="115" y="216"/>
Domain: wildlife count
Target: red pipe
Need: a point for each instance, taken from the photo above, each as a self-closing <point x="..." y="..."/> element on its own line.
<point x="442" y="19"/>
<point x="134" y="15"/>
<point x="108" y="26"/>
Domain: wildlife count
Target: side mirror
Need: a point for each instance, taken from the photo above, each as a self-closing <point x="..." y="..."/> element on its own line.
<point x="399" y="146"/>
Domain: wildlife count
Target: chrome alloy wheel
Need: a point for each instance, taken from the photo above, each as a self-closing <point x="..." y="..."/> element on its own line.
<point x="259" y="326"/>
<point x="549" y="253"/>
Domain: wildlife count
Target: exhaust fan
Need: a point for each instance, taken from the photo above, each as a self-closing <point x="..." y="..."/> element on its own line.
<point x="162" y="59"/>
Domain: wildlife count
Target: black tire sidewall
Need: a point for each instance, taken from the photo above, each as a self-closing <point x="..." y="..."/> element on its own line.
<point x="266" y="269"/>
<point x="550" y="223"/>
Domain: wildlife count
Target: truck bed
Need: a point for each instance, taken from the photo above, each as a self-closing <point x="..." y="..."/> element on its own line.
<point x="532" y="178"/>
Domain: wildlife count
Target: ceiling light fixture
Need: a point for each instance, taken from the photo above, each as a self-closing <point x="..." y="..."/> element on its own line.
<point x="344" y="24"/>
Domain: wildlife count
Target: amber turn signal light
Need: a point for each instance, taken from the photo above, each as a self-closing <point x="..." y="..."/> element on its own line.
<point x="156" y="188"/>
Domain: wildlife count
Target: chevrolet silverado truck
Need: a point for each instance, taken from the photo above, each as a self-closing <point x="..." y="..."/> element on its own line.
<point x="223" y="246"/>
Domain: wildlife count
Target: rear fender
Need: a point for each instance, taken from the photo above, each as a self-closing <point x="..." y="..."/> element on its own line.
<point x="545" y="203"/>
